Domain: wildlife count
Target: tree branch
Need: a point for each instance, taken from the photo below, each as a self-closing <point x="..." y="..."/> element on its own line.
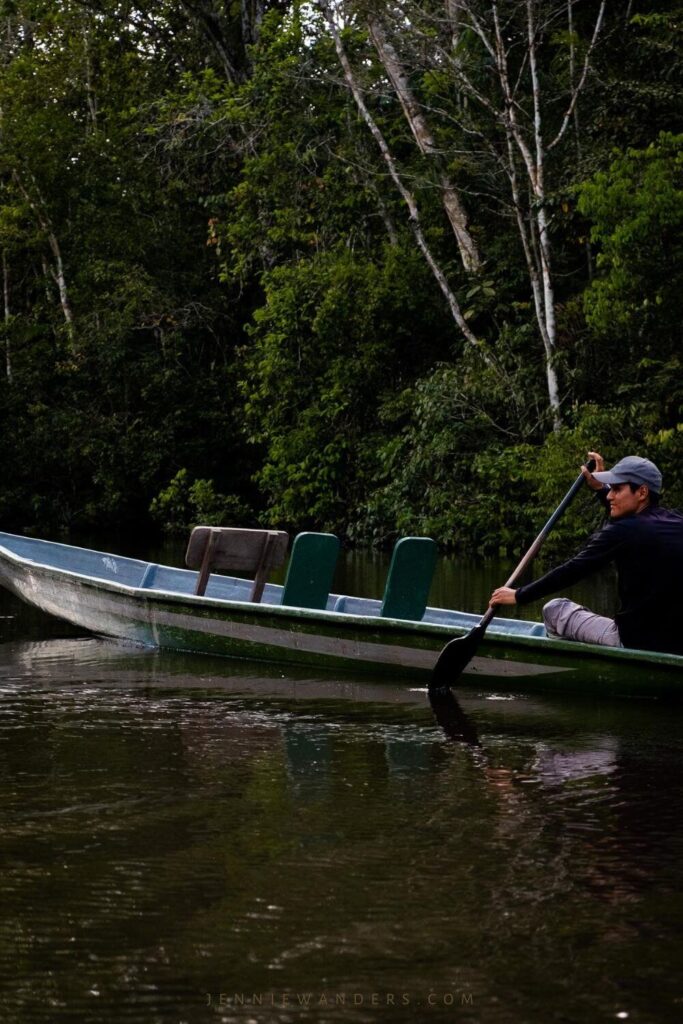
<point x="580" y="84"/>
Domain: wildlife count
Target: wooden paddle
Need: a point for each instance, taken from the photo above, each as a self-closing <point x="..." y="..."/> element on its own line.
<point x="458" y="653"/>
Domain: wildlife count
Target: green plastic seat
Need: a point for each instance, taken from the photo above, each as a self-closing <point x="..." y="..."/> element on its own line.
<point x="410" y="578"/>
<point x="311" y="570"/>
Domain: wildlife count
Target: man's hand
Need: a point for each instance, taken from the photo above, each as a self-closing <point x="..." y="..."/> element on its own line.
<point x="504" y="595"/>
<point x="594" y="484"/>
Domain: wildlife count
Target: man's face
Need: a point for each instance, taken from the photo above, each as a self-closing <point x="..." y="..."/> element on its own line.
<point x="625" y="502"/>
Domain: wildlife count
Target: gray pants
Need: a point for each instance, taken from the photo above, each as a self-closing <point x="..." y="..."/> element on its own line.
<point x="571" y="621"/>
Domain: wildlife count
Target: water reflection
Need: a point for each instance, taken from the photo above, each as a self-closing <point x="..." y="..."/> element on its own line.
<point x="451" y="717"/>
<point x="188" y="839"/>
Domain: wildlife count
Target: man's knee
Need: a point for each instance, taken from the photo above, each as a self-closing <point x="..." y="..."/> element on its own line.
<point x="556" y="613"/>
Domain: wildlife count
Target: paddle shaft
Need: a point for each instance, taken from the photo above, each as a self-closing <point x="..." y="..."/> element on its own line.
<point x="457" y="654"/>
<point x="538" y="543"/>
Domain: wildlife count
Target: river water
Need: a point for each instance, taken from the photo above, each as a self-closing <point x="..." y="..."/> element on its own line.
<point x="185" y="839"/>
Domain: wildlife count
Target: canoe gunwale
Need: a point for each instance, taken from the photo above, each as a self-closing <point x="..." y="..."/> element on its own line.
<point x="544" y="647"/>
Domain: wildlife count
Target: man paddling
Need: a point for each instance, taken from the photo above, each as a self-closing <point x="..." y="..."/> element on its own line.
<point x="645" y="543"/>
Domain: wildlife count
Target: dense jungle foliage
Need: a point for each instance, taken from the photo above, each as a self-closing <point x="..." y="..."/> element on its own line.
<point x="348" y="265"/>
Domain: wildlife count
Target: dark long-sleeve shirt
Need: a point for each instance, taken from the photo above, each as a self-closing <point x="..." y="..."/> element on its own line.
<point x="647" y="550"/>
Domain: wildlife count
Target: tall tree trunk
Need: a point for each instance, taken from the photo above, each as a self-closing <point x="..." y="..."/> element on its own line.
<point x="424" y="138"/>
<point x="89" y="88"/>
<point x="252" y="16"/>
<point x="538" y="255"/>
<point x="577" y="127"/>
<point x="206" y="17"/>
<point x="541" y="217"/>
<point x="526" y="149"/>
<point x="60" y="280"/>
<point x="38" y="207"/>
<point x="407" y="196"/>
<point x="8" y="314"/>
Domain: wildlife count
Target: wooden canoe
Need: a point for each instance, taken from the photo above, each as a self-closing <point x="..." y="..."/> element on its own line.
<point x="155" y="605"/>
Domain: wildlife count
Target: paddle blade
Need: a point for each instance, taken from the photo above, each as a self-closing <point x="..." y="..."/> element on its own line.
<point x="454" y="659"/>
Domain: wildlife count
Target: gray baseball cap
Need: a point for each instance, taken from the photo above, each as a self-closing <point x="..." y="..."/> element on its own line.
<point x="632" y="470"/>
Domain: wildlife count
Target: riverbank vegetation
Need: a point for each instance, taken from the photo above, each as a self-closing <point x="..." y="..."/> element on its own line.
<point x="364" y="267"/>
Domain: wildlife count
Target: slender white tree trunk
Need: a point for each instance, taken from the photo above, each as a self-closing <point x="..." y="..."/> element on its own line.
<point x="538" y="255"/>
<point x="89" y="88"/>
<point x="60" y="280"/>
<point x="541" y="218"/>
<point x="575" y="117"/>
<point x="38" y="207"/>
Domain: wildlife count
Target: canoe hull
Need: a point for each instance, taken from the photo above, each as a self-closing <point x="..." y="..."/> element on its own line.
<point x="260" y="632"/>
<point x="328" y="640"/>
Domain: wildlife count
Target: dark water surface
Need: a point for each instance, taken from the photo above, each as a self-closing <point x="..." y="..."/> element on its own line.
<point x="184" y="839"/>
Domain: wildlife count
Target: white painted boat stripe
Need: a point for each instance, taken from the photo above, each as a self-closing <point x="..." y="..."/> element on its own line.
<point x="349" y="649"/>
<point x="145" y="622"/>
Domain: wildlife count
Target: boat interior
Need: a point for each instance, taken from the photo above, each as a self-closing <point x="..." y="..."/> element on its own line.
<point x="213" y="551"/>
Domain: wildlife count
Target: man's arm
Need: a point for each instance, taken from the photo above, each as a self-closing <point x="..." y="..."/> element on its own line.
<point x="600" y="550"/>
<point x="510" y="595"/>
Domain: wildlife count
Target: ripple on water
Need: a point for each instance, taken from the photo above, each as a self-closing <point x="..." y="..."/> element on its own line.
<point x="173" y="830"/>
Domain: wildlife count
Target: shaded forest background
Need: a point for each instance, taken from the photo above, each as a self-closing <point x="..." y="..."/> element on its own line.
<point x="364" y="267"/>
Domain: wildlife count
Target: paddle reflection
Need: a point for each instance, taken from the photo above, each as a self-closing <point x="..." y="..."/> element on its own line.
<point x="452" y="719"/>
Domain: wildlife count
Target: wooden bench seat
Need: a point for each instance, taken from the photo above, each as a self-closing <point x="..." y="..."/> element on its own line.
<point x="228" y="549"/>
